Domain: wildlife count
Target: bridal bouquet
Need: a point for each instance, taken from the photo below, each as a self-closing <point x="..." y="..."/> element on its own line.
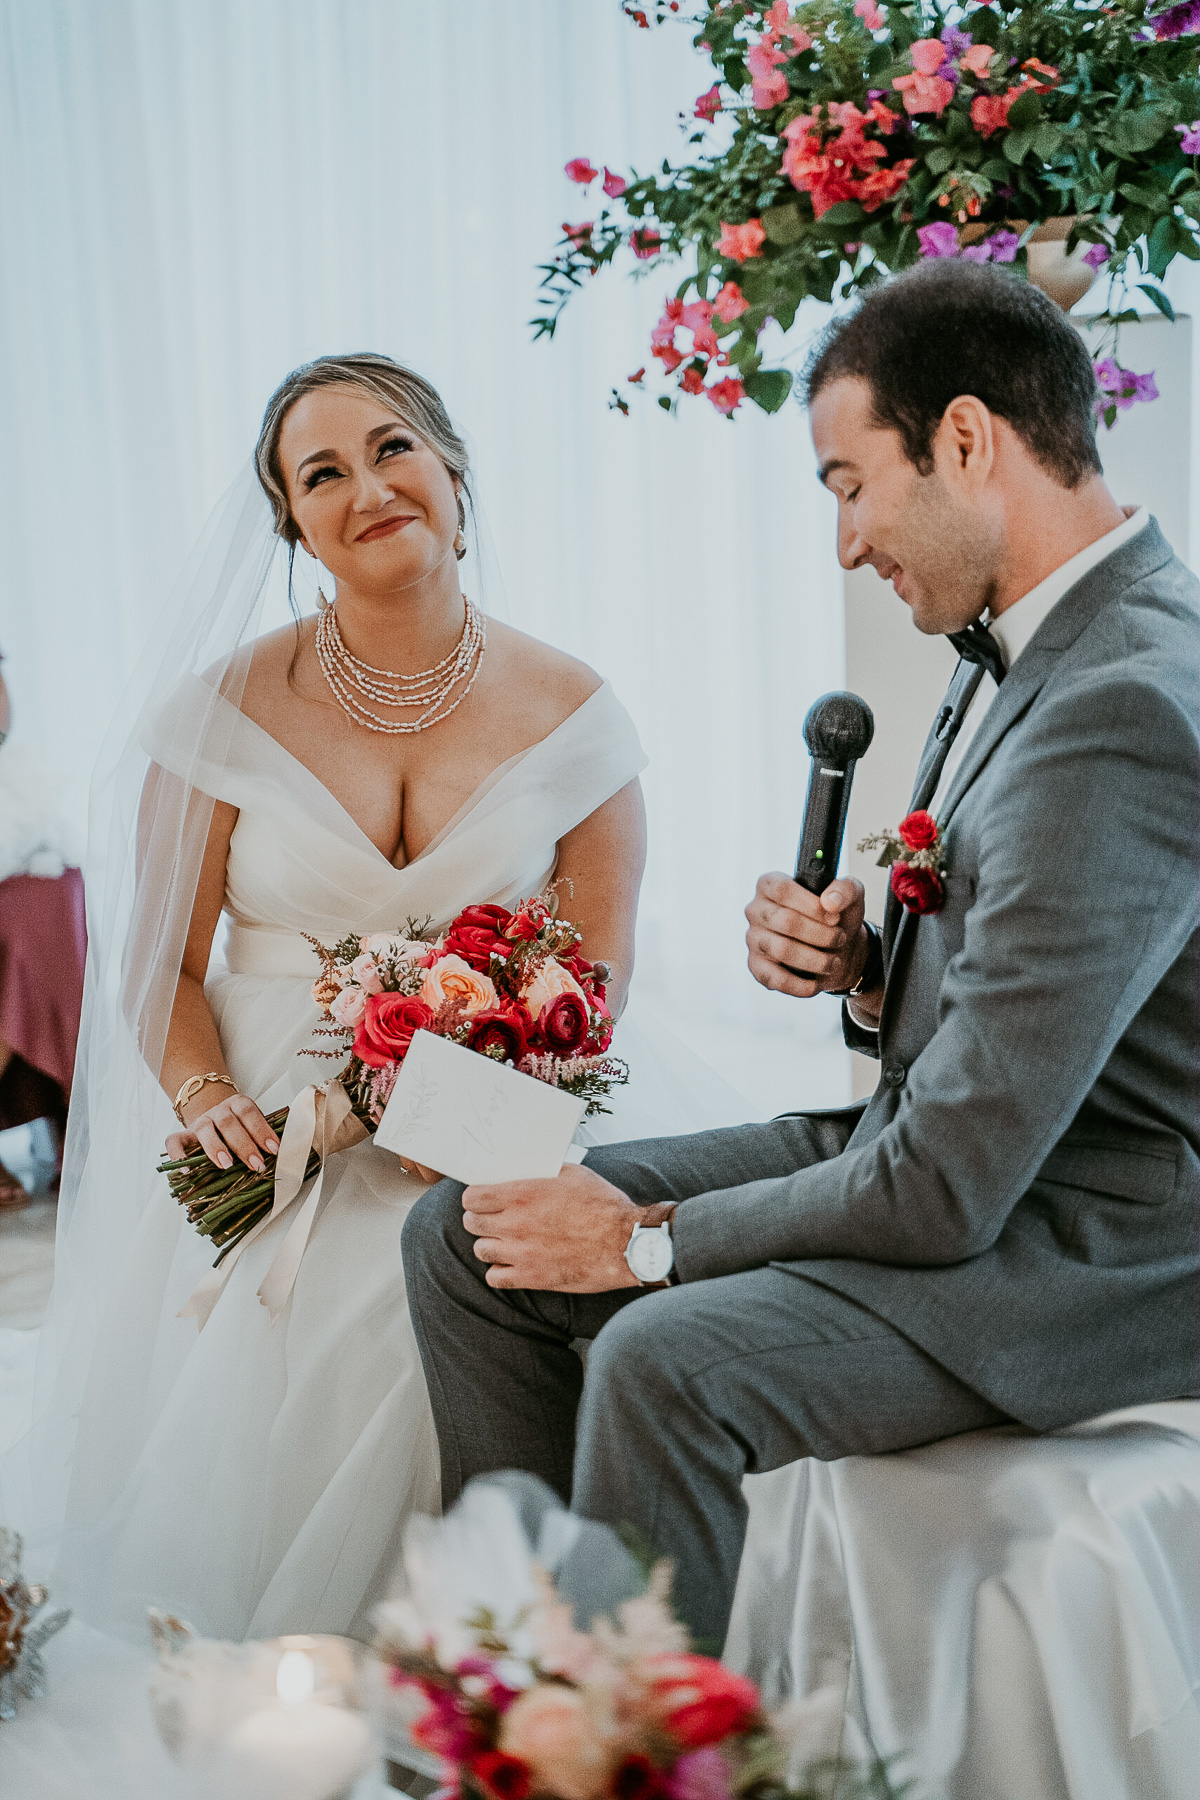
<point x="494" y="1676"/>
<point x="513" y="986"/>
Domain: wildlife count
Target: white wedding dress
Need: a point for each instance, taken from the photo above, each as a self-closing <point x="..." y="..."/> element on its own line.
<point x="253" y="1478"/>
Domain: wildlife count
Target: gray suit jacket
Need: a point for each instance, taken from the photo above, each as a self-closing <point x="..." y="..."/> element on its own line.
<point x="1020" y="1196"/>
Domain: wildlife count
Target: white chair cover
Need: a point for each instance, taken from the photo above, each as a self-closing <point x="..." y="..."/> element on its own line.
<point x="1011" y="1617"/>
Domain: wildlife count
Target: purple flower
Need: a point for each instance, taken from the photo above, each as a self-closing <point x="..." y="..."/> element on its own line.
<point x="1096" y="255"/>
<point x="1145" y="387"/>
<point x="1190" y="138"/>
<point x="1178" y="21"/>
<point x="938" y="239"/>
<point x="957" y="42"/>
<point x="1121" y="388"/>
<point x="700" y="1775"/>
<point x="977" y="253"/>
<point x="1004" y="245"/>
<point x="949" y="72"/>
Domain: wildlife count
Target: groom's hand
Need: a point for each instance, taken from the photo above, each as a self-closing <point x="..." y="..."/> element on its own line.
<point x="806" y="944"/>
<point x="566" y="1235"/>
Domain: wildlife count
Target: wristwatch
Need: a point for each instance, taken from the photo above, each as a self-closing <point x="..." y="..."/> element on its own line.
<point x="650" y="1253"/>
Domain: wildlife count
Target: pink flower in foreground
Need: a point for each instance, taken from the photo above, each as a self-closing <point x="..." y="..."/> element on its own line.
<point x="727" y="395"/>
<point x="709" y="104"/>
<point x="928" y="55"/>
<point x="614" y="185"/>
<point x="551" y="1730"/>
<point x="347" y="1010"/>
<point x="870" y="14"/>
<point x="700" y="1775"/>
<point x="578" y="234"/>
<point x="730" y="303"/>
<point x="1096" y="255"/>
<point x="739" y="242"/>
<point x="645" y="243"/>
<point x="777" y="24"/>
<point x="580" y="169"/>
<point x="977" y="59"/>
<point x="1189" y="138"/>
<point x="924" y="93"/>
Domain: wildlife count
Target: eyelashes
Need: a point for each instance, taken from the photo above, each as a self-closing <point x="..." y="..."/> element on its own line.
<point x="398" y="444"/>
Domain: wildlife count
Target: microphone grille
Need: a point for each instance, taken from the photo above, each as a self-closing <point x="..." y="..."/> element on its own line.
<point x="839" y="728"/>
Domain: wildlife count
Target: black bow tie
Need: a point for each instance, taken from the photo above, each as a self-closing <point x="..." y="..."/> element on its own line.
<point x="977" y="645"/>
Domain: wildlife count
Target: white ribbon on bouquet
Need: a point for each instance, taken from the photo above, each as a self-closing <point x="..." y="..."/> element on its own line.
<point x="321" y="1119"/>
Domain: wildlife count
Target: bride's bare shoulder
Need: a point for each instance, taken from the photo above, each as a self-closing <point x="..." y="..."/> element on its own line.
<point x="550" y="682"/>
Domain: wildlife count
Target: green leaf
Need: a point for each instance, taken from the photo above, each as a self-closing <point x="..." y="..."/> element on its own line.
<point x="846" y="212"/>
<point x="939" y="160"/>
<point x="1046" y="140"/>
<point x="1133" y="132"/>
<point x="995" y="170"/>
<point x="783" y="224"/>
<point x="1162" y="246"/>
<point x="1018" y="144"/>
<point x="769" y="388"/>
<point x="1025" y="112"/>
<point x="664" y="402"/>
<point x="1159" y="298"/>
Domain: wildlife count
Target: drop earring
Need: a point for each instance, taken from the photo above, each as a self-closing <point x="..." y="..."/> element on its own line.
<point x="460" y="536"/>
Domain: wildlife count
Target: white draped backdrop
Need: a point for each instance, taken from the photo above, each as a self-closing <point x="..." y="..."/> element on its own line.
<point x="199" y="196"/>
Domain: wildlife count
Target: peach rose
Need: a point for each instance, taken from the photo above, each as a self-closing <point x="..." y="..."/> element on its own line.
<point x="550" y="981"/>
<point x="553" y="1732"/>
<point x="349" y="1007"/>
<point x="453" y="979"/>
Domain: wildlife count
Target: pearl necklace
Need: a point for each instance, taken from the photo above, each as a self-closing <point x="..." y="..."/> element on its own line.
<point x="354" y="683"/>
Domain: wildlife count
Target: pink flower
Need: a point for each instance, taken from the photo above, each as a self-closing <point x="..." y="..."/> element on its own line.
<point x="989" y="112"/>
<point x="452" y="978"/>
<point x="614" y="185"/>
<point x="777" y="25"/>
<point x="727" y="395"/>
<point x="739" y="242"/>
<point x="1096" y="255"/>
<point x="578" y="234"/>
<point x="730" y="303"/>
<point x="938" y="239"/>
<point x="645" y="243"/>
<point x="580" y="169"/>
<point x="977" y="59"/>
<point x="770" y="86"/>
<point x="347" y="1010"/>
<point x="700" y="1775"/>
<point x="924" y="93"/>
<point x="709" y="104"/>
<point x="928" y="55"/>
<point x="1189" y="140"/>
<point x="552" y="1731"/>
<point x="367" y="974"/>
<point x="870" y="14"/>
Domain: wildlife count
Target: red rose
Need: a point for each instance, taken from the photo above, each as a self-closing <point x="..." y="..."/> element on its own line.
<point x="505" y="1776"/>
<point x="503" y="1032"/>
<point x="521" y="928"/>
<point x="601" y="1033"/>
<point x="564" y="1024"/>
<point x="475" y="943"/>
<point x="920" y="890"/>
<point x="702" y="1701"/>
<point x="918" y="831"/>
<point x="497" y="917"/>
<point x="386" y="1028"/>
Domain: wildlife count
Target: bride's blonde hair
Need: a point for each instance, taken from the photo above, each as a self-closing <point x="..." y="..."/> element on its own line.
<point x="408" y="395"/>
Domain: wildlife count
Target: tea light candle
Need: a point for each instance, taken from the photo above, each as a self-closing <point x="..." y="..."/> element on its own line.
<point x="301" y="1748"/>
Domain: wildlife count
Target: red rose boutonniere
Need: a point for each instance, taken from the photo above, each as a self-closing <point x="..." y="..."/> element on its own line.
<point x="916" y="856"/>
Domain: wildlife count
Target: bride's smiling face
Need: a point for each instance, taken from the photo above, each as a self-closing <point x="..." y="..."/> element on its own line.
<point x="372" y="501"/>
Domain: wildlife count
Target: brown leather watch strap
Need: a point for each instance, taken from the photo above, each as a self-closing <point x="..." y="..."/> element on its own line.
<point x="661" y="1213"/>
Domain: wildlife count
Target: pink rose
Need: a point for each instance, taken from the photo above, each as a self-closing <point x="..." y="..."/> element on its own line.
<point x="347" y="1010"/>
<point x="453" y="978"/>
<point x="552" y="1731"/>
<point x="366" y="973"/>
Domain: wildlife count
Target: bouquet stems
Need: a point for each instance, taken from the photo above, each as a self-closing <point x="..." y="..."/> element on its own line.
<point x="226" y="1204"/>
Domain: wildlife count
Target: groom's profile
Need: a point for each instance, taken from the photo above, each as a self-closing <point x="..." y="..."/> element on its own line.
<point x="1006" y="1231"/>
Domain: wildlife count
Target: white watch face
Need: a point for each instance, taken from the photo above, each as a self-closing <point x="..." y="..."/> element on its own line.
<point x="651" y="1254"/>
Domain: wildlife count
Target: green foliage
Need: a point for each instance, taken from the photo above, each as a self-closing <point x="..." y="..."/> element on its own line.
<point x="1085" y="102"/>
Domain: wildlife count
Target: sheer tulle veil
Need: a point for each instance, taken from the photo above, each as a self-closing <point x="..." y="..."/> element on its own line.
<point x="146" y="837"/>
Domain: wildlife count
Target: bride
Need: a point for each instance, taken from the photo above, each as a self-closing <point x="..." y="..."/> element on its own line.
<point x="398" y="756"/>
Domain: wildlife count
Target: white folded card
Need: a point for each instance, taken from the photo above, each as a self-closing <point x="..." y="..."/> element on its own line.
<point x="474" y="1119"/>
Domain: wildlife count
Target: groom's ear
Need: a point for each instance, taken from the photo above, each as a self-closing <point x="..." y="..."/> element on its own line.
<point x="964" y="445"/>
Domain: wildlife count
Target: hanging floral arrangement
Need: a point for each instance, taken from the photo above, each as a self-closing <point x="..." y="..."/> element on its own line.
<point x="844" y="139"/>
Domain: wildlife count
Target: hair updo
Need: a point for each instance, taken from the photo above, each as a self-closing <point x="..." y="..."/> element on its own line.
<point x="408" y="395"/>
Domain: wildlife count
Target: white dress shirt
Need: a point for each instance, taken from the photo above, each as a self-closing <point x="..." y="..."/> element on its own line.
<point x="1017" y="624"/>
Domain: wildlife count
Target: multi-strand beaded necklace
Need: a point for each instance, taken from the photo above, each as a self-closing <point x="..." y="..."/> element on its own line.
<point x="358" y="686"/>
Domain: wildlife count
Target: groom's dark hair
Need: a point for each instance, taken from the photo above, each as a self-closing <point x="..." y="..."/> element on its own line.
<point x="948" y="328"/>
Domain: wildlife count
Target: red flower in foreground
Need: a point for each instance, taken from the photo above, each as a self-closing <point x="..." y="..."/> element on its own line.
<point x="727" y="395"/>
<point x="919" y="830"/>
<point x="387" y="1027"/>
<point x="505" y="1776"/>
<point x="580" y="169"/>
<point x="637" y="1779"/>
<point x="709" y="104"/>
<point x="920" y="890"/>
<point x="614" y="185"/>
<point x="502" y="1033"/>
<point x="741" y="241"/>
<point x="477" y="932"/>
<point x="703" y="1702"/>
<point x="564" y="1025"/>
<point x="645" y="243"/>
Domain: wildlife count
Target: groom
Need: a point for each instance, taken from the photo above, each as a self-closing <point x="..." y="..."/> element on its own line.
<point x="1007" y="1232"/>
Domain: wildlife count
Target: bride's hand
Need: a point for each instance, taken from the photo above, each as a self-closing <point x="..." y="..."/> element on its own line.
<point x="234" y="1127"/>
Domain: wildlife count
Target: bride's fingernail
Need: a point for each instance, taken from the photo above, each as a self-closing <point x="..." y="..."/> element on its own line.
<point x="258" y="1165"/>
<point x="224" y="1160"/>
<point x="273" y="1146"/>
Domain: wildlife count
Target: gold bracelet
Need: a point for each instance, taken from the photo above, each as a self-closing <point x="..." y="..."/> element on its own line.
<point x="191" y="1088"/>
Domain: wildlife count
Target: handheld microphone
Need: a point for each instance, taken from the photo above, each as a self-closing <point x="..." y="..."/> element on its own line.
<point x="838" y="730"/>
